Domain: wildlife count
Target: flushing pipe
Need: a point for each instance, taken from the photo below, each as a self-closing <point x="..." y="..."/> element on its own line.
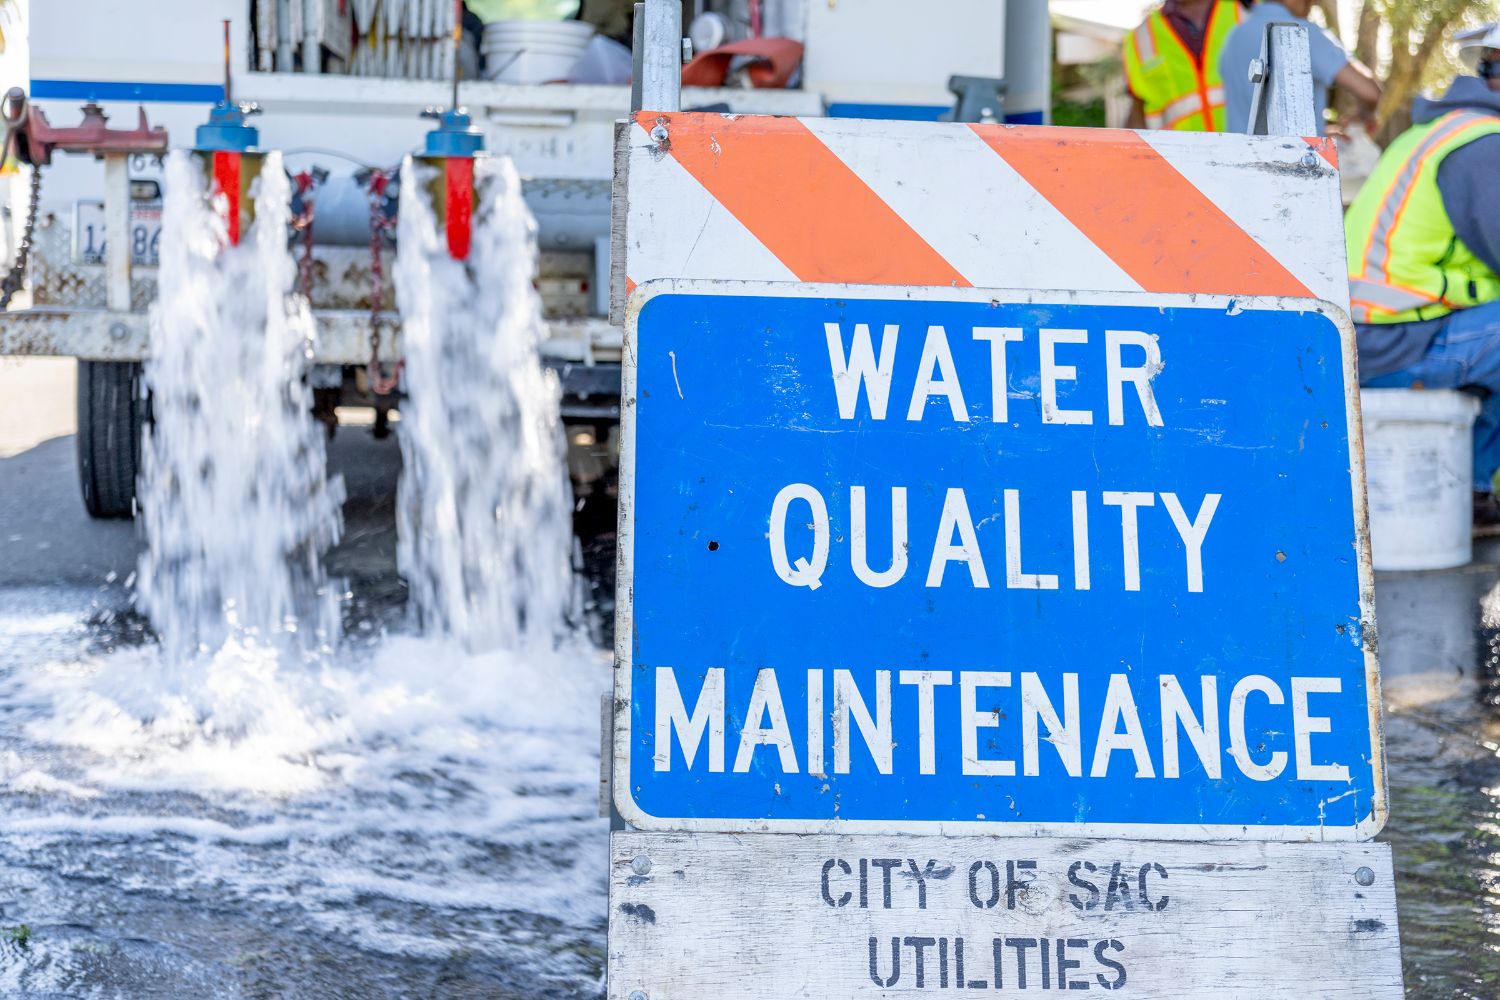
<point x="451" y="149"/>
<point x="227" y="146"/>
<point x="312" y="54"/>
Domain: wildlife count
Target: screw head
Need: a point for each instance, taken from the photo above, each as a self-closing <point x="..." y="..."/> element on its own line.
<point x="1309" y="159"/>
<point x="1257" y="70"/>
<point x="119" y="331"/>
<point x="1364" y="876"/>
<point x="640" y="864"/>
<point x="659" y="133"/>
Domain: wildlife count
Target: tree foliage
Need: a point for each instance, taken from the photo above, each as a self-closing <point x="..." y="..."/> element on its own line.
<point x="1408" y="44"/>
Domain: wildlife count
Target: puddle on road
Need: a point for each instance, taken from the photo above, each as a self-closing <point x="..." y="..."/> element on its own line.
<point x="451" y="847"/>
<point x="400" y="816"/>
<point x="236" y="802"/>
<point x="447" y="850"/>
<point x="1440" y="665"/>
<point x="413" y="819"/>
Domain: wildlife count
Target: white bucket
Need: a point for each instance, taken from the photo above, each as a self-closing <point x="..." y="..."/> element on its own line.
<point x="533" y="51"/>
<point x="1418" y="464"/>
<point x="529" y="66"/>
<point x="576" y="31"/>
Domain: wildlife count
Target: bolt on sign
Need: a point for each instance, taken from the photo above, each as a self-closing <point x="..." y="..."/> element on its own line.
<point x="912" y="546"/>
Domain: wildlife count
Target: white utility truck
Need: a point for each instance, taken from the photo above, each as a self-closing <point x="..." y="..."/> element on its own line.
<point x="341" y="87"/>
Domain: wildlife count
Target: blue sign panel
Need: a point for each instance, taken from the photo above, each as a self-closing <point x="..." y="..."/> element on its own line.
<point x="940" y="559"/>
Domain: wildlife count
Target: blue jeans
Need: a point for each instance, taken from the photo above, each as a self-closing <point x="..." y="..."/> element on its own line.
<point x="1465" y="354"/>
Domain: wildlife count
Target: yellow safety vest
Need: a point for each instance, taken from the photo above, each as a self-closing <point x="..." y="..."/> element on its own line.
<point x="1179" y="91"/>
<point x="1405" y="260"/>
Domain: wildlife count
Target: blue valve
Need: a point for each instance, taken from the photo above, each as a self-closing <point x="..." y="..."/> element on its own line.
<point x="226" y="130"/>
<point x="455" y="135"/>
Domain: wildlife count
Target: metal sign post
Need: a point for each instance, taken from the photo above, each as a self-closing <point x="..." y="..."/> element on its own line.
<point x="1282" y="101"/>
<point x="656" y="83"/>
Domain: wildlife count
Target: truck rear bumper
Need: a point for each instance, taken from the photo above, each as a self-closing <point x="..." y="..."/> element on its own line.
<point x="342" y="338"/>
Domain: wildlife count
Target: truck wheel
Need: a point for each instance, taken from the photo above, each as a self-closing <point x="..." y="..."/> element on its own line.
<point x="110" y="417"/>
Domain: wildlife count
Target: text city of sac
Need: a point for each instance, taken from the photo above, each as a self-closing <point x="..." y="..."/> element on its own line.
<point x="1198" y="709"/>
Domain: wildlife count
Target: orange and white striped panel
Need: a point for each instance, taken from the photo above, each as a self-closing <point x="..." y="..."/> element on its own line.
<point x="908" y="203"/>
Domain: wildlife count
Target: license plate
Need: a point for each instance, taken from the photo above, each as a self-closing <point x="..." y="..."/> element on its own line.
<point x="89" y="236"/>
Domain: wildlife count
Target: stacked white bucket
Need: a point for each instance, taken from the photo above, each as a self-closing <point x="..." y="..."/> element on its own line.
<point x="1418" y="463"/>
<point x="533" y="51"/>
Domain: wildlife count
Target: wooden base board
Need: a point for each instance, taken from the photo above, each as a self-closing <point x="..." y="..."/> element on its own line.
<point x="726" y="916"/>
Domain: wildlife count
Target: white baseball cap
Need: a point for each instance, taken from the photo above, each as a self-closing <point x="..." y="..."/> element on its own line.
<point x="1472" y="43"/>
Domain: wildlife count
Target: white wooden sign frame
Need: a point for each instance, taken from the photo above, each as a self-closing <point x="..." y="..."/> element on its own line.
<point x="753" y="917"/>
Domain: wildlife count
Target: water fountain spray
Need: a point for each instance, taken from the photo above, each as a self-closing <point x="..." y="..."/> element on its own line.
<point x="484" y="511"/>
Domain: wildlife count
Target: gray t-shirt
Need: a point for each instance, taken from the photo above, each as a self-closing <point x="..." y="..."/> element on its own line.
<point x="1243" y="45"/>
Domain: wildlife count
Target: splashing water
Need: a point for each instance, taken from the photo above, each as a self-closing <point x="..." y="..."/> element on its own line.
<point x="416" y="803"/>
<point x="484" y="506"/>
<point x="236" y="506"/>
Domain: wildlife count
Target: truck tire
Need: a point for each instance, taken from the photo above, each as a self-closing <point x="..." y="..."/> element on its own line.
<point x="111" y="414"/>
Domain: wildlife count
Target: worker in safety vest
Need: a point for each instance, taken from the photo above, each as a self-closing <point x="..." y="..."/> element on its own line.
<point x="1424" y="255"/>
<point x="1172" y="65"/>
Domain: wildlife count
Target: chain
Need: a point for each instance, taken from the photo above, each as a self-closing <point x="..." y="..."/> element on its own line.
<point x="16" y="277"/>
<point x="380" y="383"/>
<point x="303" y="224"/>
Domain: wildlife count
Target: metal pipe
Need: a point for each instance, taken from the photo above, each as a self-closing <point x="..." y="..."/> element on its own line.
<point x="1282" y="102"/>
<point x="228" y="84"/>
<point x="570" y="215"/>
<point x="661" y="60"/>
<point x="343" y="336"/>
<point x="284" y="59"/>
<point x="312" y="46"/>
<point x="637" y="55"/>
<point x="1028" y="63"/>
<point x="458" y="40"/>
<point x="117" y="231"/>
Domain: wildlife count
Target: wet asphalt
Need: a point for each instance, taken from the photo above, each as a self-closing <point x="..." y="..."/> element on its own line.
<point x="1440" y="658"/>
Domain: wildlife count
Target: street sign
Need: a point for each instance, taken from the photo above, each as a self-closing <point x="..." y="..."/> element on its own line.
<point x="951" y="560"/>
<point x="844" y="918"/>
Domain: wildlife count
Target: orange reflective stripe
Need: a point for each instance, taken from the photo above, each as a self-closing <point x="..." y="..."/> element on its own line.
<point x="1202" y="63"/>
<point x="1196" y="61"/>
<point x="1206" y="99"/>
<point x="1411" y="186"/>
<point x="1181" y="108"/>
<point x="1178" y="122"/>
<point x="802" y="202"/>
<point x="1182" y="242"/>
<point x="1142" y="33"/>
<point x="1389" y="297"/>
<point x="1186" y="109"/>
<point x="1400" y="191"/>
